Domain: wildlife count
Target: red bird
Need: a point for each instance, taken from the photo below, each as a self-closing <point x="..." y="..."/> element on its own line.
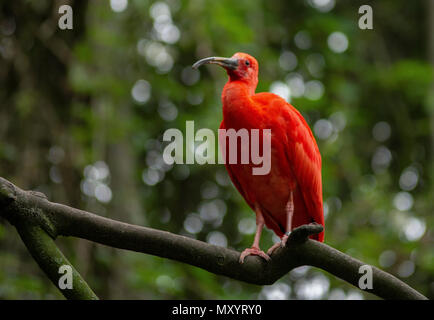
<point x="290" y="195"/>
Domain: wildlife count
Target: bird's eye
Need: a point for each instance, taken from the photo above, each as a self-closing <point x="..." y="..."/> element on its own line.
<point x="247" y="63"/>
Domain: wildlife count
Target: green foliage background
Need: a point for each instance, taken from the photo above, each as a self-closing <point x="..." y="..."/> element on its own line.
<point x="69" y="126"/>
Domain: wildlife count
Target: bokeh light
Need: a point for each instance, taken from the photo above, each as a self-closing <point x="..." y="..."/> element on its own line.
<point x="337" y="42"/>
<point x="118" y="5"/>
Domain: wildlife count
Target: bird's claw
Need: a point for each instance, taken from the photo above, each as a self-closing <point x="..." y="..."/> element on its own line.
<point x="253" y="251"/>
<point x="280" y="244"/>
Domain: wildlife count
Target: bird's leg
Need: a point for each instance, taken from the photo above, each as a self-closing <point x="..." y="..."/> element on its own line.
<point x="254" y="250"/>
<point x="289" y="208"/>
<point x="289" y="213"/>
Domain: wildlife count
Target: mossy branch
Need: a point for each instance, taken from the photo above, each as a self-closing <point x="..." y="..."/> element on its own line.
<point x="50" y="259"/>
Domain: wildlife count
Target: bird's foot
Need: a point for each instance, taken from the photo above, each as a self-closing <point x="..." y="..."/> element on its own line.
<point x="253" y="251"/>
<point x="280" y="244"/>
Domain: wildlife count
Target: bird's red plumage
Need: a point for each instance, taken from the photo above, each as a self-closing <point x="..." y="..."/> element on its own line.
<point x="295" y="158"/>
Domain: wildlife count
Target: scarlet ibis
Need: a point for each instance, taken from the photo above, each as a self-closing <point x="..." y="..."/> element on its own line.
<point x="290" y="195"/>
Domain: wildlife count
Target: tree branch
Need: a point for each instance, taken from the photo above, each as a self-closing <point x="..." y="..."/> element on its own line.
<point x="50" y="259"/>
<point x="30" y="208"/>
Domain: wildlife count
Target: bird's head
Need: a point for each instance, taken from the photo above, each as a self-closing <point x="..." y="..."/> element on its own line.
<point x="240" y="67"/>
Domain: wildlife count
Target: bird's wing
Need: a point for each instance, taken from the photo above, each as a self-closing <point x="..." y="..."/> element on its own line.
<point x="302" y="153"/>
<point x="234" y="178"/>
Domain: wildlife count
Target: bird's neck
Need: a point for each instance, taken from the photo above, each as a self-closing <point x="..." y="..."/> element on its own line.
<point x="236" y="98"/>
<point x="238" y="86"/>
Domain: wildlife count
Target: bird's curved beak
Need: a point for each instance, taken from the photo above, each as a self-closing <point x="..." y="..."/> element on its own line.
<point x="227" y="63"/>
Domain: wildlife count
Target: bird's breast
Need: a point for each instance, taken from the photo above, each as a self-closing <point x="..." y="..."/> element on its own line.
<point x="270" y="190"/>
